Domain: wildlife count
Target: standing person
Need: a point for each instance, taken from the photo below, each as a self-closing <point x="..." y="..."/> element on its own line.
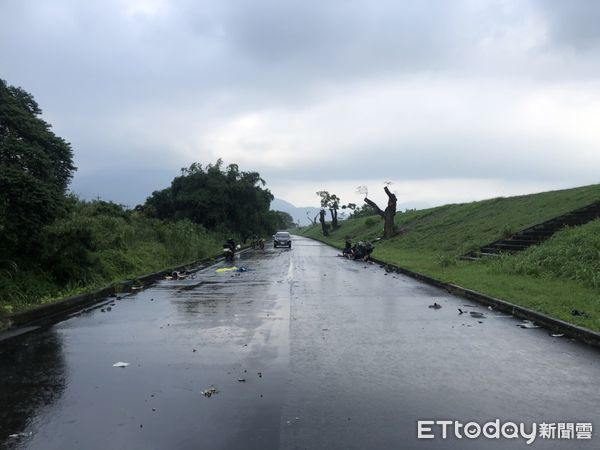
<point x="348" y="248"/>
<point x="231" y="244"/>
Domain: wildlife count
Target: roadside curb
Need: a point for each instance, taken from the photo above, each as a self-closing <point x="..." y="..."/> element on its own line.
<point x="31" y="320"/>
<point x="581" y="334"/>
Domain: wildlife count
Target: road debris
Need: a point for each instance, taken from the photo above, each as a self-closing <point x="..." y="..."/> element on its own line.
<point x="120" y="364"/>
<point x="242" y="380"/>
<point x="435" y="306"/>
<point x="476" y="315"/>
<point x="557" y="335"/>
<point x="232" y="269"/>
<point x="210" y="391"/>
<point x="19" y="435"/>
<point x="528" y="324"/>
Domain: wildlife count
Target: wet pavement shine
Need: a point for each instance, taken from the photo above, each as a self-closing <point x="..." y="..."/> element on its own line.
<point x="305" y="350"/>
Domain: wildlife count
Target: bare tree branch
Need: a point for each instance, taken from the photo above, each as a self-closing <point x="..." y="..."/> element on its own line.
<point x="373" y="205"/>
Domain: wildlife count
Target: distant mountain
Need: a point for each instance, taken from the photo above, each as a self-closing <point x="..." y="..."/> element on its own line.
<point x="298" y="213"/>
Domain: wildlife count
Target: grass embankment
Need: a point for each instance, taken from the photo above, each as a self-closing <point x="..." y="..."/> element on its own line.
<point x="554" y="278"/>
<point x="92" y="248"/>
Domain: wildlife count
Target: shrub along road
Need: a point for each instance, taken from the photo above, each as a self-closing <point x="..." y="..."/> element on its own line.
<point x="303" y="350"/>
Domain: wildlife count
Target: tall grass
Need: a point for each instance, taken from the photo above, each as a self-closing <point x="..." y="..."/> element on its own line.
<point x="571" y="254"/>
<point x="88" y="249"/>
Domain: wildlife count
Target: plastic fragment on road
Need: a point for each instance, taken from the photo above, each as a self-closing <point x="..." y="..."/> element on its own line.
<point x="242" y="380"/>
<point x="232" y="269"/>
<point x="18" y="435"/>
<point x="120" y="364"/>
<point x="528" y="324"/>
<point x="557" y="335"/>
<point x="210" y="391"/>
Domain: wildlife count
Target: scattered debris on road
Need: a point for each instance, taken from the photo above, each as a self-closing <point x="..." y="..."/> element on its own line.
<point x="435" y="306"/>
<point x="210" y="391"/>
<point x="232" y="269"/>
<point x="476" y="315"/>
<point x="120" y="364"/>
<point x="19" y="435"/>
<point x="528" y="324"/>
<point x="557" y="335"/>
<point x="242" y="380"/>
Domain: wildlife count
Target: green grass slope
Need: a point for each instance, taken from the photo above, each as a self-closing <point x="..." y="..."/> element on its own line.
<point x="553" y="278"/>
<point x="116" y="248"/>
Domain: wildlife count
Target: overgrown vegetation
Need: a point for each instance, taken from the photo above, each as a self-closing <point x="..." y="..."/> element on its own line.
<point x="553" y="278"/>
<point x="96" y="243"/>
<point x="53" y="244"/>
<point x="572" y="254"/>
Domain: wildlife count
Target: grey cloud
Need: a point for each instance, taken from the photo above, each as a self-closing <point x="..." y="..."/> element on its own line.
<point x="341" y="37"/>
<point x="96" y="71"/>
<point x="572" y="23"/>
<point x="517" y="158"/>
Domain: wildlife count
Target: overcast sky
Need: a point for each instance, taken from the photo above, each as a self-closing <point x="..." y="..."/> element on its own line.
<point x="450" y="101"/>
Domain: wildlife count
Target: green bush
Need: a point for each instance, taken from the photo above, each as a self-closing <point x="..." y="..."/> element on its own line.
<point x="372" y="221"/>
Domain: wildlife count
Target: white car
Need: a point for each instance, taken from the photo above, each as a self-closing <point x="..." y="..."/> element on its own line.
<point x="282" y="239"/>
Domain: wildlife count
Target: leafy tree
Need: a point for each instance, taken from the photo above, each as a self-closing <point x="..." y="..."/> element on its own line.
<point x="284" y="220"/>
<point x="363" y="211"/>
<point x="36" y="167"/>
<point x="228" y="199"/>
<point x="332" y="203"/>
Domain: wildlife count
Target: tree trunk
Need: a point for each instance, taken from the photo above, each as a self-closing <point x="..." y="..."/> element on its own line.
<point x="334" y="221"/>
<point x="323" y="223"/>
<point x="388" y="214"/>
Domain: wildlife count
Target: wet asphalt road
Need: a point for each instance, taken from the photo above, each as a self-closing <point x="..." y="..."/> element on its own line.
<point x="335" y="354"/>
